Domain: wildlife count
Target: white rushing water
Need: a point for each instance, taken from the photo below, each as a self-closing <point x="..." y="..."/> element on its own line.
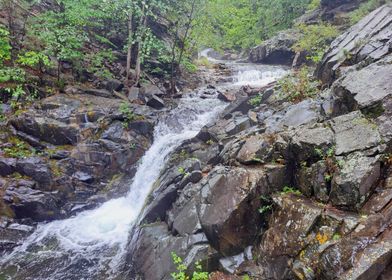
<point x="92" y="244"/>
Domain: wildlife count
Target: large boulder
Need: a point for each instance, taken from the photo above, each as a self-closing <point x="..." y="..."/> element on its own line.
<point x="154" y="242"/>
<point x="29" y="203"/>
<point x="354" y="132"/>
<point x="353" y="183"/>
<point x="366" y="42"/>
<point x="229" y="207"/>
<point x="366" y="88"/>
<point x="276" y="50"/>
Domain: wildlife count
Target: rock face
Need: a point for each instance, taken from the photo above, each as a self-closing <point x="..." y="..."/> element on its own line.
<point x="366" y="42"/>
<point x="276" y="50"/>
<point x="57" y="155"/>
<point x="287" y="191"/>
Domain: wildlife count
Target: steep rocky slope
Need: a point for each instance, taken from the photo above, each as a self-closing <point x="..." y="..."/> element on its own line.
<point x="283" y="190"/>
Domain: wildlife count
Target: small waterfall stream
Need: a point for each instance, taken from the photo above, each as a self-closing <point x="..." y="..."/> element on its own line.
<point x="92" y="244"/>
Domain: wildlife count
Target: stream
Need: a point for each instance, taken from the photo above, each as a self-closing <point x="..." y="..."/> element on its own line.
<point x="93" y="244"/>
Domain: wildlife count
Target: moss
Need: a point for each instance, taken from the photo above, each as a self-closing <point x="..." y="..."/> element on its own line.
<point x="18" y="148"/>
<point x="55" y="169"/>
<point x="18" y="176"/>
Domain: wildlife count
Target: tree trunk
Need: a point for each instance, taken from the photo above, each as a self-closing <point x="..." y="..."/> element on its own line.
<point x="129" y="52"/>
<point x="143" y="25"/>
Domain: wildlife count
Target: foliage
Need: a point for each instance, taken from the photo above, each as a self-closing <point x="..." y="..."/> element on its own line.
<point x="364" y="9"/>
<point x="241" y="24"/>
<point x="288" y="190"/>
<point x="315" y="40"/>
<point x="256" y="100"/>
<point x="127" y="113"/>
<point x="12" y="74"/>
<point x="5" y="47"/>
<point x="181" y="268"/>
<point x="299" y="85"/>
<point x="34" y="59"/>
<point x="313" y="5"/>
<point x="18" y="149"/>
<point x="96" y="63"/>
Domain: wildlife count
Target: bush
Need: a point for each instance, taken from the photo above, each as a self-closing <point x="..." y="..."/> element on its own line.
<point x="180" y="274"/>
<point x="299" y="85"/>
<point x="5" y="47"/>
<point x="364" y="9"/>
<point x="315" y="40"/>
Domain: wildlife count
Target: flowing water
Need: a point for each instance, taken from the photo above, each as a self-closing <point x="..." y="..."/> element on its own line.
<point x="92" y="244"/>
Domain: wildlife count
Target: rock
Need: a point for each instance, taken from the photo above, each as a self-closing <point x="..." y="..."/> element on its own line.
<point x="83" y="177"/>
<point x="276" y="50"/>
<point x="367" y="41"/>
<point x="153" y="242"/>
<point x="229" y="208"/>
<point x="37" y="169"/>
<point x="363" y="254"/>
<point x="155" y="102"/>
<point x="28" y="203"/>
<point x="46" y="129"/>
<point x="113" y="85"/>
<point x="227" y="96"/>
<point x="352" y="184"/>
<point x="7" y="166"/>
<point x="353" y="132"/>
<point x="305" y="112"/>
<point x="308" y="141"/>
<point x="365" y="88"/>
<point x="12" y="236"/>
<point x="90" y="91"/>
<point x="293" y="220"/>
<point x="260" y="148"/>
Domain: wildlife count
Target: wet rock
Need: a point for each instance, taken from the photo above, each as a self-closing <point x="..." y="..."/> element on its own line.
<point x="46" y="129"/>
<point x="305" y="112"/>
<point x="113" y="85"/>
<point x="366" y="87"/>
<point x="292" y="222"/>
<point x="260" y="148"/>
<point x="308" y="141"/>
<point x="364" y="253"/>
<point x="353" y="132"/>
<point x="367" y="41"/>
<point x="37" y="169"/>
<point x="227" y="96"/>
<point x="153" y="242"/>
<point x="276" y="50"/>
<point x="155" y="102"/>
<point x="83" y="177"/>
<point x="28" y="203"/>
<point x="228" y="211"/>
<point x="352" y="184"/>
<point x="7" y="166"/>
<point x="90" y="91"/>
<point x="12" y="236"/>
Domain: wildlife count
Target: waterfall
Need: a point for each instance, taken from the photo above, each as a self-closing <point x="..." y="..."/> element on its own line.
<point x="92" y="244"/>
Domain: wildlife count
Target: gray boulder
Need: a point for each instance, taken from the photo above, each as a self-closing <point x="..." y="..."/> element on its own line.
<point x="276" y="50"/>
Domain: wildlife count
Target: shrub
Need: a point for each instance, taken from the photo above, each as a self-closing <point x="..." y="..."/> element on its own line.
<point x="299" y="85"/>
<point x="315" y="40"/>
<point x="127" y="113"/>
<point x="255" y="101"/>
<point x="313" y="5"/>
<point x="5" y="47"/>
<point x="364" y="9"/>
<point x="180" y="274"/>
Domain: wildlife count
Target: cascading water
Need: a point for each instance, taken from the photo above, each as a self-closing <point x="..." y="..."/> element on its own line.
<point x="92" y="244"/>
